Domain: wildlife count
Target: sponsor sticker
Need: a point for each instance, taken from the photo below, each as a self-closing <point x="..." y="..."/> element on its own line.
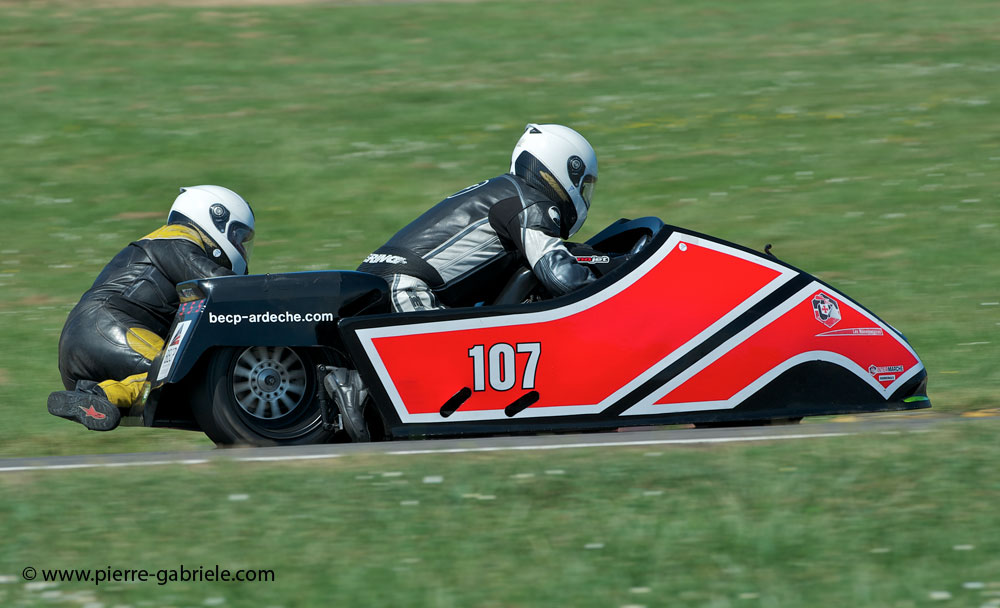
<point x="826" y="309"/>
<point x="854" y="331"/>
<point x="593" y="259"/>
<point x="172" y="347"/>
<point x="271" y="317"/>
<point x="886" y="377"/>
<point x="384" y="258"/>
<point x="885" y="369"/>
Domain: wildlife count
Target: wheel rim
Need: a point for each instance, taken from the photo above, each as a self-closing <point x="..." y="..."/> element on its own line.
<point x="269" y="382"/>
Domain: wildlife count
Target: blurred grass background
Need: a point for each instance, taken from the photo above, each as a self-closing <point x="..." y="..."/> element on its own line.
<point x="861" y="138"/>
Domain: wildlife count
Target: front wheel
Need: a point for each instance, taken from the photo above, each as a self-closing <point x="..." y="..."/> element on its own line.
<point x="261" y="395"/>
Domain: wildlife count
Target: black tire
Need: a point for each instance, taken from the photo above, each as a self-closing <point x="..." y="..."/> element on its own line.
<point x="261" y="396"/>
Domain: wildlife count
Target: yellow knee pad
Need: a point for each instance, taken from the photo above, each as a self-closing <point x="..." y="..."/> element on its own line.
<point x="144" y="342"/>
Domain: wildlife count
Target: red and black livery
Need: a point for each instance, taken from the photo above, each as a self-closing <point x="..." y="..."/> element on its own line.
<point x="681" y="328"/>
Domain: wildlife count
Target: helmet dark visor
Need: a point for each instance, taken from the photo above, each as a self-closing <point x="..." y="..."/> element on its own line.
<point x="241" y="236"/>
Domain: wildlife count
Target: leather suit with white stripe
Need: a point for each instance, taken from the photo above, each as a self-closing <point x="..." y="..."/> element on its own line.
<point x="466" y="247"/>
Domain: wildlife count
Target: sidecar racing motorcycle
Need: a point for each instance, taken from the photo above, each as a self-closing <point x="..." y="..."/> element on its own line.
<point x="681" y="328"/>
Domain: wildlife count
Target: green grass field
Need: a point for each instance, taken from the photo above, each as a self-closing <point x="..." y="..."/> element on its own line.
<point x="902" y="520"/>
<point x="860" y="138"/>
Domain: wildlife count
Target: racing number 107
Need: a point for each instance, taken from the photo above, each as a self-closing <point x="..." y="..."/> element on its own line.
<point x="500" y="367"/>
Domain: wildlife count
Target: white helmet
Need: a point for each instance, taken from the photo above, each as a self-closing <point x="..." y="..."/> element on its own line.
<point x="223" y="216"/>
<point x="560" y="162"/>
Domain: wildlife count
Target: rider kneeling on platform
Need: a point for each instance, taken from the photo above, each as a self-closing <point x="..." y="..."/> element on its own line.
<point x="121" y="322"/>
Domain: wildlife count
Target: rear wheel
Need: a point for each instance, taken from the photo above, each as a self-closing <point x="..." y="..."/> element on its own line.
<point x="261" y="395"/>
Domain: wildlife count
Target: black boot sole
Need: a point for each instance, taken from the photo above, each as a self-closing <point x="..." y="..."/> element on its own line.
<point x="91" y="411"/>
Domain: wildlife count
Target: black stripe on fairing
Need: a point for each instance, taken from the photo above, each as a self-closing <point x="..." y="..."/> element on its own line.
<point x="521" y="403"/>
<point x="753" y="314"/>
<point x="451" y="405"/>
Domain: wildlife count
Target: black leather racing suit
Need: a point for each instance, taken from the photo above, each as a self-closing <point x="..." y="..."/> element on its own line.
<point x="466" y="247"/>
<point x="120" y="323"/>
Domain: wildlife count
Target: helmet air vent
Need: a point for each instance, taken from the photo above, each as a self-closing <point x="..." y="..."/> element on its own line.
<point x="220" y="216"/>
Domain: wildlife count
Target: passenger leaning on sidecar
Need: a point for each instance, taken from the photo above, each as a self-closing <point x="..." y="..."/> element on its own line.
<point x="119" y="325"/>
<point x="464" y="249"/>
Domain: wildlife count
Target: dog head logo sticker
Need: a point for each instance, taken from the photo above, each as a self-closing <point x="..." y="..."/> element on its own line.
<point x="826" y="309"/>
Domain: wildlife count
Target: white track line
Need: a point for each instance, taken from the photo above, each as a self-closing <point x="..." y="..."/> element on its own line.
<point x="292" y="457"/>
<point x="514" y="448"/>
<point x="616" y="444"/>
<point x="103" y="465"/>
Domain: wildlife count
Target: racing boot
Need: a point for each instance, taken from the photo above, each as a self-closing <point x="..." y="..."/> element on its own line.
<point x="90" y="409"/>
<point x="349" y="392"/>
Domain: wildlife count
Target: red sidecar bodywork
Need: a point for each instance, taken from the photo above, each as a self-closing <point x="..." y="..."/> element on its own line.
<point x="695" y="330"/>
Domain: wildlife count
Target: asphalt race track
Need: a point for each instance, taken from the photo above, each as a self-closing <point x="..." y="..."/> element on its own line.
<point x="875" y="423"/>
